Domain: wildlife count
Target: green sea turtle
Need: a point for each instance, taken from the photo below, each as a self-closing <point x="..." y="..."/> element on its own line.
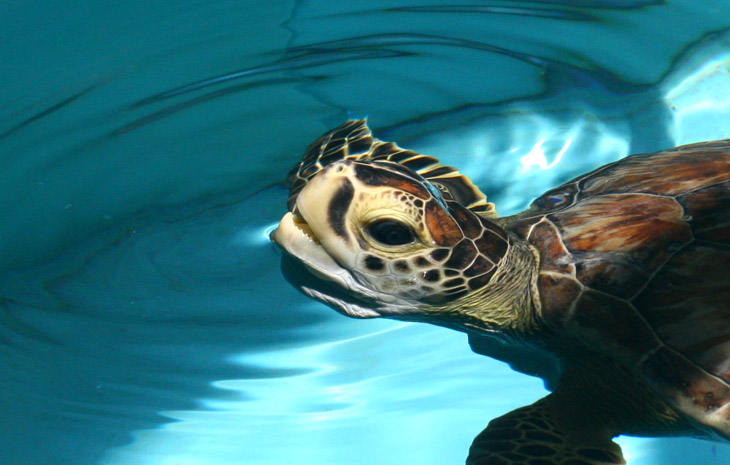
<point x="616" y="285"/>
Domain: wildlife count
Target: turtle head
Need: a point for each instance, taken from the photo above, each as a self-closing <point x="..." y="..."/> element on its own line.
<point x="385" y="241"/>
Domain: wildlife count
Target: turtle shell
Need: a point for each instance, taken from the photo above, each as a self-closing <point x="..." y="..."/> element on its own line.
<point x="635" y="262"/>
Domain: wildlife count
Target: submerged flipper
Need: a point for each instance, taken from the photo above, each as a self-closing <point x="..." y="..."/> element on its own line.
<point x="353" y="140"/>
<point x="542" y="434"/>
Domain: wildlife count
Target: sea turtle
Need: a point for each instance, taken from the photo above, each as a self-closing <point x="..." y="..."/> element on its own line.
<point x="614" y="287"/>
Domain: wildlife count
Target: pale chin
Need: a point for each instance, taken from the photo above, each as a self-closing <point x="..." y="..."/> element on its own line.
<point x="350" y="309"/>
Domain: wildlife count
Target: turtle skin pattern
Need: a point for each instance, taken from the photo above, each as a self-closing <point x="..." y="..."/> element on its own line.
<point x="635" y="262"/>
<point x="631" y="292"/>
<point x="353" y="140"/>
<point x="530" y="436"/>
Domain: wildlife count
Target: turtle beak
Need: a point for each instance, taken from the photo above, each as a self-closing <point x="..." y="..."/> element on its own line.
<point x="293" y="230"/>
<point x="296" y="238"/>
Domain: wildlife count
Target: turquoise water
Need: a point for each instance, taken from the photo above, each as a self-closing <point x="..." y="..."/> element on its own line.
<point x="143" y="316"/>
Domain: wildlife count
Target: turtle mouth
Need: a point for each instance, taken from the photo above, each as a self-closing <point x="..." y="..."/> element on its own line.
<point x="296" y="237"/>
<point x="313" y="271"/>
<point x="300" y="223"/>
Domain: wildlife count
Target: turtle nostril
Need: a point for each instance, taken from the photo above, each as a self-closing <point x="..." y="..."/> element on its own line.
<point x="337" y="167"/>
<point x="342" y="164"/>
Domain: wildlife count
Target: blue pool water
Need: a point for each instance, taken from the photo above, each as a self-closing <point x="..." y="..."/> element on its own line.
<point x="144" y="145"/>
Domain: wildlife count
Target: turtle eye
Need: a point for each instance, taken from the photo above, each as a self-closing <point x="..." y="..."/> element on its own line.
<point x="391" y="232"/>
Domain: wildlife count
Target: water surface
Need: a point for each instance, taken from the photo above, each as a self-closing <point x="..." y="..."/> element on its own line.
<point x="143" y="315"/>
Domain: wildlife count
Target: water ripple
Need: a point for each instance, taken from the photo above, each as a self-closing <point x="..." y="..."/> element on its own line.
<point x="143" y="315"/>
<point x="380" y="46"/>
<point x="502" y="8"/>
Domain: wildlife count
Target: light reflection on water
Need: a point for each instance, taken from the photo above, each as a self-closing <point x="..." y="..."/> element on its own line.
<point x="535" y="141"/>
<point x="700" y="101"/>
<point x="143" y="315"/>
<point x="370" y="388"/>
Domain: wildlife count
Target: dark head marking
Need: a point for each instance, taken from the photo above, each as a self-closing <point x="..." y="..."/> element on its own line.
<point x="374" y="263"/>
<point x="382" y="174"/>
<point x="440" y="254"/>
<point x="338" y="208"/>
<point x="401" y="265"/>
<point x="432" y="275"/>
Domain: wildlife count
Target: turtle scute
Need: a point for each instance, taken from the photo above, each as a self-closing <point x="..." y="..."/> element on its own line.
<point x="636" y="263"/>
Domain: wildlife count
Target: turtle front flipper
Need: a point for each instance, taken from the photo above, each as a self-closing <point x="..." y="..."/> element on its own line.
<point x="548" y="432"/>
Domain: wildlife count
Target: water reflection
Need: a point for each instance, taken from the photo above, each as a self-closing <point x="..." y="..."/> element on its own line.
<point x="699" y="96"/>
<point x="517" y="158"/>
<point x="144" y="146"/>
<point x="369" y="388"/>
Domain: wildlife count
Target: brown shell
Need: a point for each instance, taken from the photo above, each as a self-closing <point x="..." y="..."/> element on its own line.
<point x="635" y="261"/>
<point x="353" y="140"/>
